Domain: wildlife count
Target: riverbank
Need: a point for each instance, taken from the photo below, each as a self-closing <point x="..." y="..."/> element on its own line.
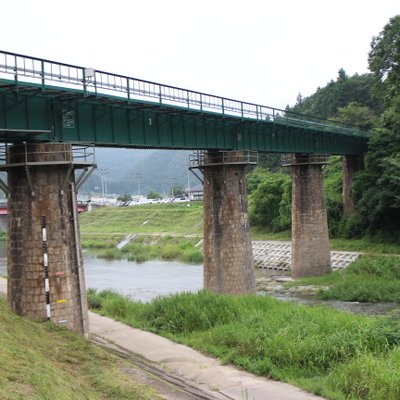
<point x="109" y="225"/>
<point x="42" y="361"/>
<point x="177" y="372"/>
<point x="325" y="351"/>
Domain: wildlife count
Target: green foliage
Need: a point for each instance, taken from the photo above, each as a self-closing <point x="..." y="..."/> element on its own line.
<point x="333" y="176"/>
<point x="369" y="377"/>
<point x="124" y="197"/>
<point x="327" y="101"/>
<point x="144" y="248"/>
<point x="313" y="347"/>
<point x="368" y="279"/>
<point x="377" y="189"/>
<point x="384" y="58"/>
<point x="154" y="195"/>
<point x="270" y="202"/>
<point x="357" y="115"/>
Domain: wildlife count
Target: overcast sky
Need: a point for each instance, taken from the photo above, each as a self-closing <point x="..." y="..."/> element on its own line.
<point x="260" y="51"/>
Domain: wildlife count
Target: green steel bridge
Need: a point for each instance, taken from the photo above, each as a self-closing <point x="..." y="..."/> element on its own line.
<point x="42" y="100"/>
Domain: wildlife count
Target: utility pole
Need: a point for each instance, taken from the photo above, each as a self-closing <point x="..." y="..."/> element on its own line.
<point x="138" y="176"/>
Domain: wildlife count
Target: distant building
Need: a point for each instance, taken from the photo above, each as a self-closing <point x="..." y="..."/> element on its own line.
<point x="196" y="192"/>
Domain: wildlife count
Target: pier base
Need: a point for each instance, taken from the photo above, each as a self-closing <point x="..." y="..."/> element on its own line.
<point x="228" y="256"/>
<point x="45" y="270"/>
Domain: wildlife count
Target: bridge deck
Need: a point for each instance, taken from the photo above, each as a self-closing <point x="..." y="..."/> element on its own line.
<point x="85" y="105"/>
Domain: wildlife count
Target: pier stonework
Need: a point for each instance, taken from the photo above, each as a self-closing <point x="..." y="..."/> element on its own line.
<point x="228" y="257"/>
<point x="351" y="164"/>
<point x="310" y="237"/>
<point x="45" y="271"/>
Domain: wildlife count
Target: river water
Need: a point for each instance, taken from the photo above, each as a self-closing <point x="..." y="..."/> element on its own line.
<point x="140" y="281"/>
<point x="147" y="280"/>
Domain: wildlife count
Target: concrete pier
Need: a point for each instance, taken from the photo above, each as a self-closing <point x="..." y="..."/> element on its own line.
<point x="45" y="271"/>
<point x="228" y="257"/>
<point x="351" y="164"/>
<point x="310" y="237"/>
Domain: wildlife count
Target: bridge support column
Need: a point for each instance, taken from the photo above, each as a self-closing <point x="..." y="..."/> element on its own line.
<point x="45" y="271"/>
<point x="310" y="238"/>
<point x="228" y="255"/>
<point x="351" y="164"/>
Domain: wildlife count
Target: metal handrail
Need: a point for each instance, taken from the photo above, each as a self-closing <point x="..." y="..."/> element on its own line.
<point x="202" y="158"/>
<point x="84" y="154"/>
<point x="26" y="69"/>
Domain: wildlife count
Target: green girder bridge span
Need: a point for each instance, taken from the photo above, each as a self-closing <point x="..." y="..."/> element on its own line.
<point x="42" y="100"/>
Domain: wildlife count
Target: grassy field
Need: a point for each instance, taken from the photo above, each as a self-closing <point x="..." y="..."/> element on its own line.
<point x="105" y="227"/>
<point x="328" y="352"/>
<point x="41" y="361"/>
<point x="151" y="218"/>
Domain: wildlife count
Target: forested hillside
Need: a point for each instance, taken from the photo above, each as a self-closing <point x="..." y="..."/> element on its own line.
<point x="372" y="102"/>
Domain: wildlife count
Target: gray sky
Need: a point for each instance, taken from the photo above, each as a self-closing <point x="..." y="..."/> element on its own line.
<point x="259" y="51"/>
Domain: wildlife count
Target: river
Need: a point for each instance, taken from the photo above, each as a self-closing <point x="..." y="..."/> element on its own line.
<point x="147" y="280"/>
<point x="140" y="281"/>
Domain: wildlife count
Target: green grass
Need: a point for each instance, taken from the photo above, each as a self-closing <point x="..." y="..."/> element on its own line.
<point x="152" y="218"/>
<point x="368" y="279"/>
<point x="111" y="224"/>
<point x="328" y="352"/>
<point x="148" y="247"/>
<point x="42" y="361"/>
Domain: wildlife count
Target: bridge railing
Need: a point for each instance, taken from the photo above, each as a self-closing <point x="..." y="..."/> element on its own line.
<point x="21" y="69"/>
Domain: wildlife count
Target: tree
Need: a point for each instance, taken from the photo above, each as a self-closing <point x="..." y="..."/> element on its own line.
<point x="384" y="57"/>
<point x="154" y="195"/>
<point x="377" y="189"/>
<point x="384" y="63"/>
<point x="357" y="115"/>
<point x="124" y="197"/>
<point x="270" y="202"/>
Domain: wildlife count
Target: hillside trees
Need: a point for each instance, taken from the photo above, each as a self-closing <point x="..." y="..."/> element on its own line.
<point x="377" y="189"/>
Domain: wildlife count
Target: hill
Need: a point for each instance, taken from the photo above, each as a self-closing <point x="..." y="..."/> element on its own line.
<point x="126" y="171"/>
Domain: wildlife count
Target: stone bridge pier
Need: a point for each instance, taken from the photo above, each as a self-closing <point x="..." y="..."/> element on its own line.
<point x="310" y="236"/>
<point x="45" y="270"/>
<point x="351" y="165"/>
<point x="228" y="257"/>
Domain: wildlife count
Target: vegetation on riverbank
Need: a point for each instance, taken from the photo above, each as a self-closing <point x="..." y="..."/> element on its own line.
<point x="328" y="352"/>
<point x="104" y="228"/>
<point x="42" y="361"/>
<point x="147" y="247"/>
<point x="368" y="279"/>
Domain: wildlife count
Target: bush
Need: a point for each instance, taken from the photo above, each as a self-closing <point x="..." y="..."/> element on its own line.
<point x="270" y="203"/>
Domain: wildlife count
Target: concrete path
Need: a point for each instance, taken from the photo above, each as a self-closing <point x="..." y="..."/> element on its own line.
<point x="223" y="381"/>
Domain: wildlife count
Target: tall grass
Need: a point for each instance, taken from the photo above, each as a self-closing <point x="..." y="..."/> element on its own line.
<point x="368" y="279"/>
<point x="311" y="347"/>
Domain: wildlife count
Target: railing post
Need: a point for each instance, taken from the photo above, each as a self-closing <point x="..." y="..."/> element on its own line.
<point x="15" y="69"/>
<point x="128" y="90"/>
<point x="42" y="72"/>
